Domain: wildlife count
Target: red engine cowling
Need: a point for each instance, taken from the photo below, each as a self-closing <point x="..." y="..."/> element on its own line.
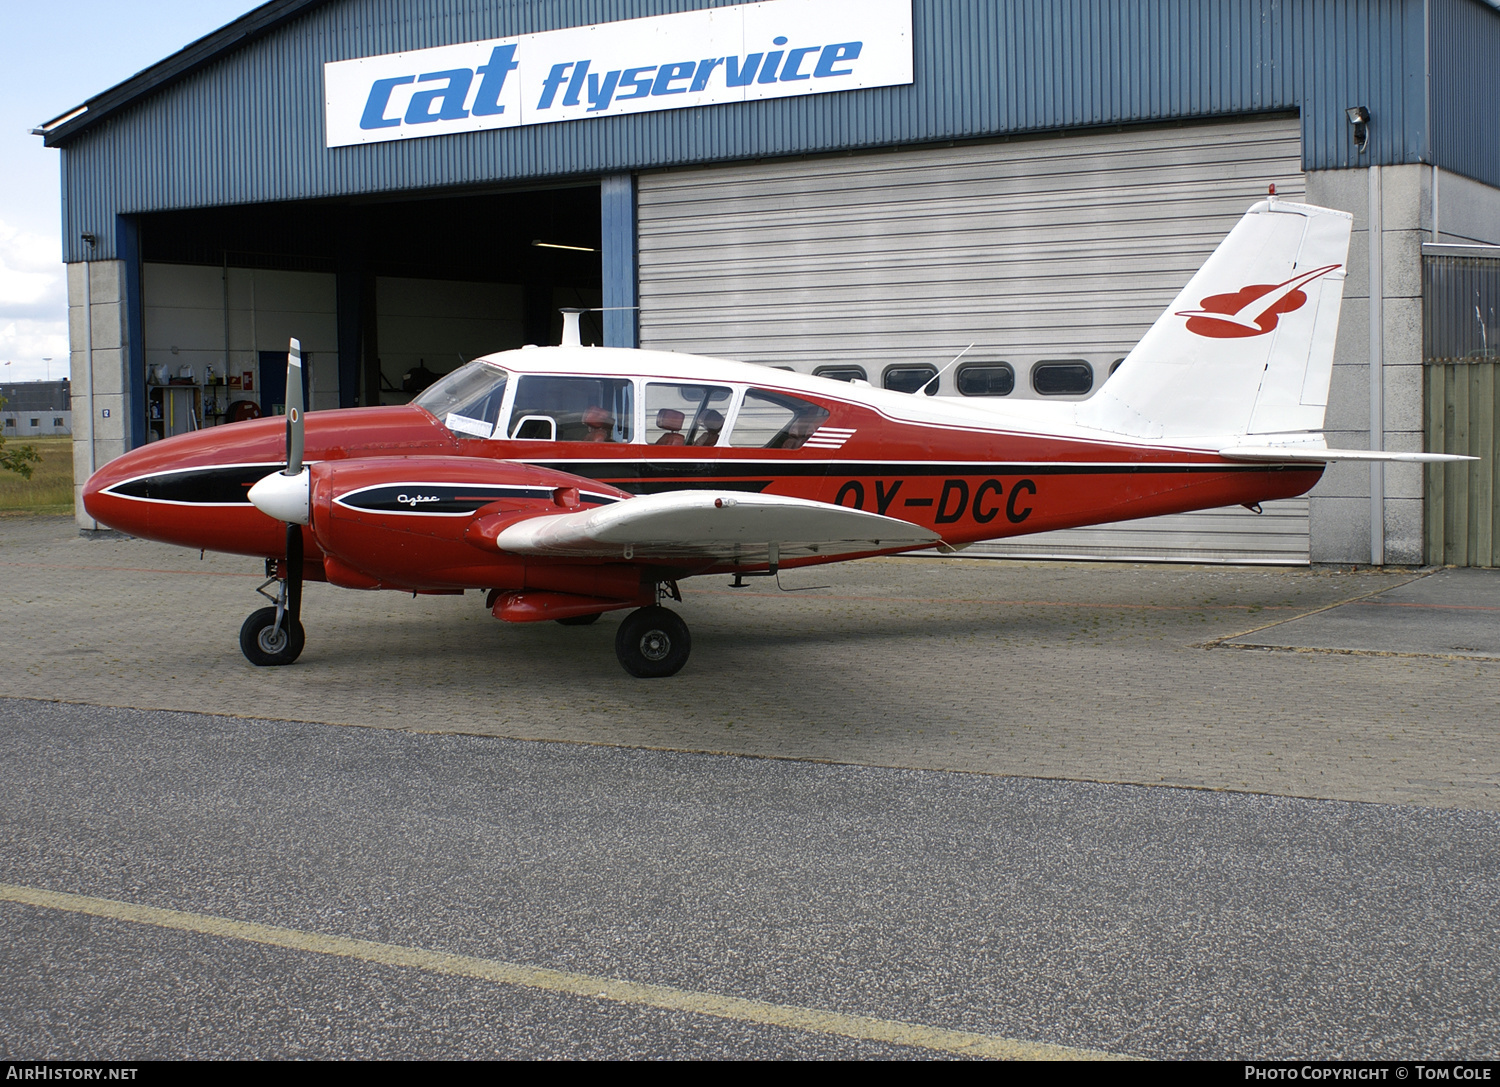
<point x="429" y="523"/>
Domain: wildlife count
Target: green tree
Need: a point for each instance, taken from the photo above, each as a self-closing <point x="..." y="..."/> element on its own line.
<point x="22" y="459"/>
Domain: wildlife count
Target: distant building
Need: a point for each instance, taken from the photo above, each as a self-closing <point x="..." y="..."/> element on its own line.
<point x="36" y="409"/>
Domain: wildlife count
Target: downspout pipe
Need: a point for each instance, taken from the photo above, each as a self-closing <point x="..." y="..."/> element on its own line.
<point x="88" y="370"/>
<point x="1377" y="369"/>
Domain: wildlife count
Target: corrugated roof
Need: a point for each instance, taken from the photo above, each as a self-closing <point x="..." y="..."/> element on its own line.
<point x="187" y="60"/>
<point x="236" y="118"/>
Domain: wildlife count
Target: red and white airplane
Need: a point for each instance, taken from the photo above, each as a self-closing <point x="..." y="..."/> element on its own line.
<point x="570" y="481"/>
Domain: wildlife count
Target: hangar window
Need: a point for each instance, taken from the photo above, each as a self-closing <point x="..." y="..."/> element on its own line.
<point x="57" y="422"/>
<point x="987" y="379"/>
<point x="467" y="400"/>
<point x="910" y="379"/>
<point x="842" y="373"/>
<point x="36" y="422"/>
<point x="10" y="422"/>
<point x="1062" y="377"/>
<point x="770" y="420"/>
<point x="574" y="409"/>
<point x="686" y="414"/>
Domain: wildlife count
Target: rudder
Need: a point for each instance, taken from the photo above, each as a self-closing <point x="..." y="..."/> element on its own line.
<point x="1247" y="346"/>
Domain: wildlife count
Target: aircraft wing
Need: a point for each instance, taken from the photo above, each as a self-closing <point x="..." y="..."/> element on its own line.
<point x="725" y="526"/>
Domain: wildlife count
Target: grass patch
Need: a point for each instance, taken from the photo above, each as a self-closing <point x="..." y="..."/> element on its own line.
<point x="50" y="488"/>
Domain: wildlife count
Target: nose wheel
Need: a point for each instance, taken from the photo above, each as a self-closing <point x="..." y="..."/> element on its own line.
<point x="265" y="642"/>
<point x="273" y="636"/>
<point x="652" y="643"/>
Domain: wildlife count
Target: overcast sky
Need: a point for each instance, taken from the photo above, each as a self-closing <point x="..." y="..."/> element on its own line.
<point x="54" y="56"/>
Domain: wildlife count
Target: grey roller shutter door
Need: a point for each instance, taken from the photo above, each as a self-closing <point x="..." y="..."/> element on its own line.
<point x="1062" y="247"/>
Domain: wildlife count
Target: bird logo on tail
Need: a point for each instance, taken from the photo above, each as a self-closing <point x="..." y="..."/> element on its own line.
<point x="1252" y="310"/>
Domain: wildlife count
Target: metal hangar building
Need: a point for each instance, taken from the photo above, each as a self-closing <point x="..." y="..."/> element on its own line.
<point x="858" y="187"/>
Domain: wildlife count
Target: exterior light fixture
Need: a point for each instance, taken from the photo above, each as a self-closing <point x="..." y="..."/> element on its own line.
<point x="88" y="238"/>
<point x="558" y="245"/>
<point x="1359" y="117"/>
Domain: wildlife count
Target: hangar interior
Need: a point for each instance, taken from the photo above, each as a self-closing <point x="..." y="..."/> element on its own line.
<point x="384" y="295"/>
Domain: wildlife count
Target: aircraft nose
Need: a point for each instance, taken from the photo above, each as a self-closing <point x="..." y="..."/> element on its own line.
<point x="110" y="509"/>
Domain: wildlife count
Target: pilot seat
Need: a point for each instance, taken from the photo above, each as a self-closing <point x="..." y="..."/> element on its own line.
<point x="670" y="420"/>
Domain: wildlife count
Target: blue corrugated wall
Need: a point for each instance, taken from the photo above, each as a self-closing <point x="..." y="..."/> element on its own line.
<point x="248" y="128"/>
<point x="1465" y="65"/>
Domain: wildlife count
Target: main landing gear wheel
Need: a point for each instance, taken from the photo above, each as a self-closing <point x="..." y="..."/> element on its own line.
<point x="653" y="642"/>
<point x="581" y="620"/>
<point x="264" y="644"/>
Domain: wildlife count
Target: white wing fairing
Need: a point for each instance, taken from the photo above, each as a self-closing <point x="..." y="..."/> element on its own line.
<point x="727" y="526"/>
<point x="1315" y="455"/>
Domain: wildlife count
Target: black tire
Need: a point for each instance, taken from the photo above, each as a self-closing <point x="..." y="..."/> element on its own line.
<point x="259" y="645"/>
<point x="581" y="620"/>
<point x="652" y="643"/>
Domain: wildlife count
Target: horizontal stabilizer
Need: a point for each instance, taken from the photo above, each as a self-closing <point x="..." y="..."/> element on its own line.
<point x="1311" y="455"/>
<point x="727" y="526"/>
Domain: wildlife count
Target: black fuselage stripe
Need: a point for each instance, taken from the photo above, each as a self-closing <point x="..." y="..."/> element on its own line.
<point x="220" y="486"/>
<point x="610" y="471"/>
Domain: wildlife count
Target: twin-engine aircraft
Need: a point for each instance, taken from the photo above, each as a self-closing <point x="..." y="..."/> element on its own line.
<point x="570" y="481"/>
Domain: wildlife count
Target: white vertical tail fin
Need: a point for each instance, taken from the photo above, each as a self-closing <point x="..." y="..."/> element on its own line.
<point x="1247" y="347"/>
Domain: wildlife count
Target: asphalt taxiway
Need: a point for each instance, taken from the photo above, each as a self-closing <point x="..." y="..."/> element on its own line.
<point x="901" y="815"/>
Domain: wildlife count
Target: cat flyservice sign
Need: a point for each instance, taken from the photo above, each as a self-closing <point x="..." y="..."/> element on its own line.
<point x="773" y="49"/>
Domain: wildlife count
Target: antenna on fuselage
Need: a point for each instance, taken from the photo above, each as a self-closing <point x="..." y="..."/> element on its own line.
<point x="945" y="369"/>
<point x="571" y="337"/>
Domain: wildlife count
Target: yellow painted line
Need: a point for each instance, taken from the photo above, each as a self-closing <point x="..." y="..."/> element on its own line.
<point x="864" y="1028"/>
<point x="1218" y="643"/>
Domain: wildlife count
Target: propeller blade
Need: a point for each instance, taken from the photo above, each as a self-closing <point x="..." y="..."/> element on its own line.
<point x="294" y="409"/>
<point x="294" y="557"/>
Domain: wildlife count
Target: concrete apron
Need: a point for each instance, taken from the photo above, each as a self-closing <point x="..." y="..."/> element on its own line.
<point x="1105" y="672"/>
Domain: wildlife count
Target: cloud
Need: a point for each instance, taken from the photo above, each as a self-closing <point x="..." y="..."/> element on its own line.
<point x="32" y="280"/>
<point x="33" y="305"/>
<point x="23" y="346"/>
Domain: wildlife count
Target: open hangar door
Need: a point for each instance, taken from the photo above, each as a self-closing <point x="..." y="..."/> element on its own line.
<point x="385" y="296"/>
<point x="1052" y="256"/>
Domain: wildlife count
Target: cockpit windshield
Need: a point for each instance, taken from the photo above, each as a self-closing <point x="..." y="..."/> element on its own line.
<point x="467" y="400"/>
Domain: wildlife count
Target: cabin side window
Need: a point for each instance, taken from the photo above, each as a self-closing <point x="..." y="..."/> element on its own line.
<point x="573" y="409"/>
<point x="770" y="420"/>
<point x="468" y="400"/>
<point x="679" y="414"/>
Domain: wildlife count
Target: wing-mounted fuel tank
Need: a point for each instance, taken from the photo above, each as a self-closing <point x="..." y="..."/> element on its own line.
<point x="430" y="523"/>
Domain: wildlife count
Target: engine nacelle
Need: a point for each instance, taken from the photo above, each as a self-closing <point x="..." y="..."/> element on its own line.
<point x="420" y="523"/>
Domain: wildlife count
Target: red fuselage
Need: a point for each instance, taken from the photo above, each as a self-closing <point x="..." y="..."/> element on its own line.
<point x="965" y="484"/>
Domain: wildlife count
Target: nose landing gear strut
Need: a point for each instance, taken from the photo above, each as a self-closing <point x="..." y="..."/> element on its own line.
<point x="273" y="636"/>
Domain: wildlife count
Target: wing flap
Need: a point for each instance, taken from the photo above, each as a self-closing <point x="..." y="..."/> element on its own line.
<point x="719" y="525"/>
